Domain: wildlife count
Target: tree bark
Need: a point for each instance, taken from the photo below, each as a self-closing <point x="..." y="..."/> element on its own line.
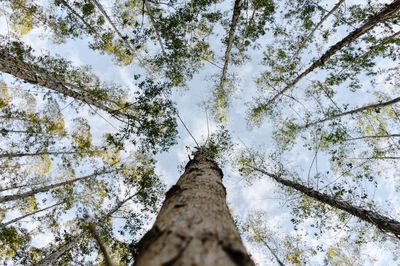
<point x="153" y="22"/>
<point x="265" y="242"/>
<point x="384" y="223"/>
<point x="194" y="225"/>
<point x="323" y="19"/>
<point x="374" y="137"/>
<point x="32" y="154"/>
<point x="386" y="13"/>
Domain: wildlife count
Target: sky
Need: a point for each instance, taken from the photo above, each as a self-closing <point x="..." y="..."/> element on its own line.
<point x="243" y="198"/>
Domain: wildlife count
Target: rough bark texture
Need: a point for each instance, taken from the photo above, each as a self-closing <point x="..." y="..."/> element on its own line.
<point x="384" y="223"/>
<point x="194" y="225"/>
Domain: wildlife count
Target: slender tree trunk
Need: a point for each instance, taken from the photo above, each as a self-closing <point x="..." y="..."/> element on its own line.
<point x="103" y="11"/>
<point x="81" y="18"/>
<point x="100" y="243"/>
<point x="153" y="23"/>
<point x="4" y="131"/>
<point x="273" y="253"/>
<point x="30" y="214"/>
<point x="194" y="225"/>
<point x="30" y="154"/>
<point x="384" y="223"/>
<point x="52" y="186"/>
<point x="323" y="19"/>
<point x="386" y="13"/>
<point x="35" y="75"/>
<point x="374" y="137"/>
<point x="354" y="111"/>
<point x="235" y="19"/>
<point x="53" y="257"/>
<point x="377" y="158"/>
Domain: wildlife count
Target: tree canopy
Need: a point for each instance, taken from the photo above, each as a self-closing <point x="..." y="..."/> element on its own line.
<point x="102" y="102"/>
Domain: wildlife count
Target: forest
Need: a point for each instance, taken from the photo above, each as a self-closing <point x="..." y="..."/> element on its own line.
<point x="200" y="132"/>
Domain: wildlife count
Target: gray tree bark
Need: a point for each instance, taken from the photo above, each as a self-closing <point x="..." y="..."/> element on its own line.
<point x="194" y="225"/>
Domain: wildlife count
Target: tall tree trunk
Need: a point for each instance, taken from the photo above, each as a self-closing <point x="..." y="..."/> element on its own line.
<point x="47" y="188"/>
<point x="52" y="258"/>
<point x="38" y="76"/>
<point x="231" y="35"/>
<point x="384" y="223"/>
<point x="33" y="154"/>
<point x="30" y="214"/>
<point x="123" y="38"/>
<point x="194" y="225"/>
<point x="374" y="137"/>
<point x="153" y="23"/>
<point x="374" y="106"/>
<point x="386" y="13"/>
<point x="100" y="243"/>
<point x="316" y="27"/>
<point x="265" y="242"/>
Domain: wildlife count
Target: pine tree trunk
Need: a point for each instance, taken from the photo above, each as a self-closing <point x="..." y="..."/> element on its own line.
<point x="194" y="225"/>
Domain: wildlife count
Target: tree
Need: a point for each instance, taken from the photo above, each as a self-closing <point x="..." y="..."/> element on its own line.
<point x="306" y="94"/>
<point x="196" y="218"/>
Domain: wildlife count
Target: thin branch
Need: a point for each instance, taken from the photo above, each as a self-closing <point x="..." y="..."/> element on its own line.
<point x="187" y="129"/>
